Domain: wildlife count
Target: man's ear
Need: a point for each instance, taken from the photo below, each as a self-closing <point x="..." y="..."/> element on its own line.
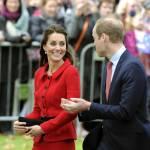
<point x="105" y="37"/>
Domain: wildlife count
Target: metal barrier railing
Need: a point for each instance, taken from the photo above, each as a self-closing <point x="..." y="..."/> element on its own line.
<point x="12" y="108"/>
<point x="94" y="58"/>
<point x="9" y="71"/>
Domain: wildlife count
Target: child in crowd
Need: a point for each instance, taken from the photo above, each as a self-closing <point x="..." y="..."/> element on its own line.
<point x="142" y="35"/>
<point x="106" y="7"/>
<point x="47" y="15"/>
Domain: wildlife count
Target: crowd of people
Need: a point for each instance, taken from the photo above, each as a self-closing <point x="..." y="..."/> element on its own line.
<point x="24" y="21"/>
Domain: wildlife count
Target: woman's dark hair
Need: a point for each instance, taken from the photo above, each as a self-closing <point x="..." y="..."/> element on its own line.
<point x="56" y="28"/>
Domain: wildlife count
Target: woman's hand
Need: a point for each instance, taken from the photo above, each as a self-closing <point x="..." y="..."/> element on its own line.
<point x="35" y="130"/>
<point x="20" y="127"/>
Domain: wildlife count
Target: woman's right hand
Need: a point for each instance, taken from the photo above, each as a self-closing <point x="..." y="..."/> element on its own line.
<point x="20" y="127"/>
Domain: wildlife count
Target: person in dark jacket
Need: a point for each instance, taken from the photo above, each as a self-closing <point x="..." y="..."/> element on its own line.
<point x="79" y="24"/>
<point x="83" y="11"/>
<point x="46" y="16"/>
<point x="123" y="93"/>
<point x="14" y="21"/>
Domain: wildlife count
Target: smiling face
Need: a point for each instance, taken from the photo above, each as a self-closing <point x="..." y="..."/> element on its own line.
<point x="55" y="47"/>
<point x="13" y="5"/>
<point x="51" y="7"/>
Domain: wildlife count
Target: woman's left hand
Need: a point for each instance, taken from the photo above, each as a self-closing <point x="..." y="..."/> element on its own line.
<point x="35" y="131"/>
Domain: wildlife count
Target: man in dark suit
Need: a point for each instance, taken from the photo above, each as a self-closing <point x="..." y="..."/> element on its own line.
<point x="123" y="92"/>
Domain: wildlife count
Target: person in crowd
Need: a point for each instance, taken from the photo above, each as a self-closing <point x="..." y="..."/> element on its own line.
<point x="79" y="23"/>
<point x="137" y="40"/>
<point x="1" y="6"/>
<point x="127" y="10"/>
<point x="14" y="25"/>
<point x="66" y="3"/>
<point x="142" y="35"/>
<point x="124" y="108"/>
<point x="142" y="38"/>
<point x="1" y="32"/>
<point x="15" y="21"/>
<point x="81" y="20"/>
<point x="47" y="15"/>
<point x="56" y="78"/>
<point x="33" y="6"/>
<point x="106" y="7"/>
<point x="64" y="7"/>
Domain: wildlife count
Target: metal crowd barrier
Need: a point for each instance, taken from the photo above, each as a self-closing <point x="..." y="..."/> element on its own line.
<point x="13" y="115"/>
<point x="94" y="58"/>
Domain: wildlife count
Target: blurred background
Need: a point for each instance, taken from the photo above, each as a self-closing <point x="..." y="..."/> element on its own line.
<point x="22" y="23"/>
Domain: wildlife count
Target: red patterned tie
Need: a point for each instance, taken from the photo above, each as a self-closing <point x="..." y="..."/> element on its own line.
<point x="108" y="78"/>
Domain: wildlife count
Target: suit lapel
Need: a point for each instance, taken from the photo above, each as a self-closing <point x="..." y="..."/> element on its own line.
<point x="104" y="84"/>
<point x="121" y="60"/>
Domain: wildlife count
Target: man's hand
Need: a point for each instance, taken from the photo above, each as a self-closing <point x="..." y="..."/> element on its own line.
<point x="75" y="105"/>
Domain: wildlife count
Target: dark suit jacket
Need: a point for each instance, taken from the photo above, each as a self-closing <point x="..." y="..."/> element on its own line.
<point x="124" y="112"/>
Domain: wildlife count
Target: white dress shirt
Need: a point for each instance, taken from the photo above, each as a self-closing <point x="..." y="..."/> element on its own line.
<point x="115" y="59"/>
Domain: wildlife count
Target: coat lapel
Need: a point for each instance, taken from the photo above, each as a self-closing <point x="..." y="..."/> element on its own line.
<point x="103" y="84"/>
<point x="122" y="59"/>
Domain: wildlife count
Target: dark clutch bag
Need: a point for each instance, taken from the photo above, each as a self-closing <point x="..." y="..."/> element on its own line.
<point x="32" y="122"/>
<point x="93" y="139"/>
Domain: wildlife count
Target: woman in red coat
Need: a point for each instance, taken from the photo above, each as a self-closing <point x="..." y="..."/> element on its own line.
<point x="55" y="79"/>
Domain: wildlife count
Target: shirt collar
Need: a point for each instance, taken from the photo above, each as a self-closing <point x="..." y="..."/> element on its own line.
<point x="58" y="72"/>
<point x="115" y="58"/>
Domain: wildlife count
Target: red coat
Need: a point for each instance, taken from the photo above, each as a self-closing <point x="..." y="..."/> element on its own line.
<point x="64" y="83"/>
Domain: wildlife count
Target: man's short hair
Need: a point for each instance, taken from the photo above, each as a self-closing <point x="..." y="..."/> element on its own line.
<point x="112" y="26"/>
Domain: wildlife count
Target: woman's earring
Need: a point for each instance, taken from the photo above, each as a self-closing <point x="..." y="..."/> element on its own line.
<point x="45" y="52"/>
